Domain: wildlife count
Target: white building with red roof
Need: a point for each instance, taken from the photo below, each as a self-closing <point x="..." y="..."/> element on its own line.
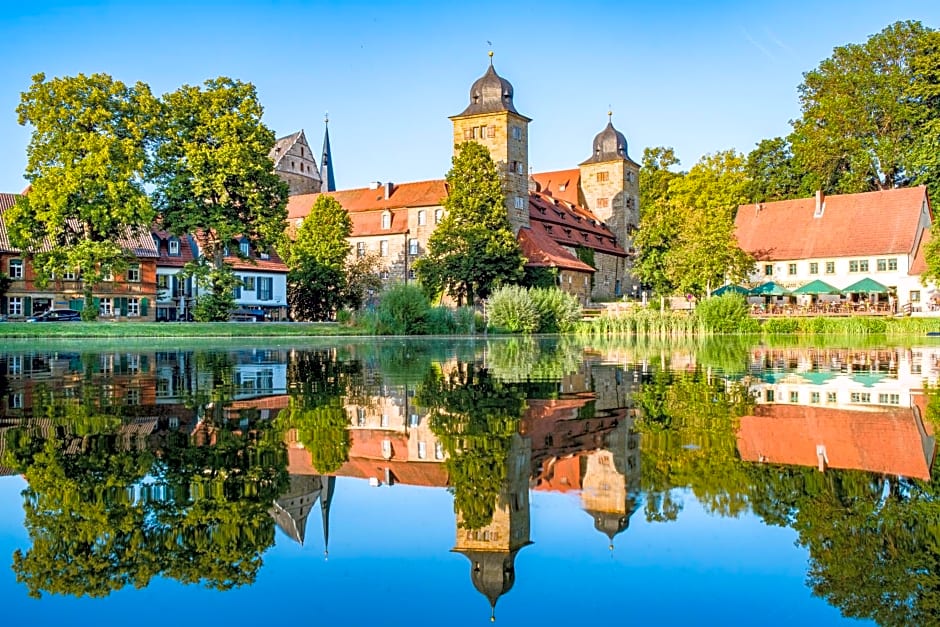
<point x="841" y="240"/>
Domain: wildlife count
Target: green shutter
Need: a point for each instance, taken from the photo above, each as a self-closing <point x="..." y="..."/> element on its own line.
<point x="77" y="304"/>
<point x="122" y="302"/>
<point x="27" y="306"/>
<point x="143" y="306"/>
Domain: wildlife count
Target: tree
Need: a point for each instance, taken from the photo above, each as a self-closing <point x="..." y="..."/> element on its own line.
<point x="316" y="281"/>
<point x="473" y="250"/>
<point x="659" y="224"/>
<point x="772" y="172"/>
<point x="706" y="251"/>
<point x="86" y="165"/>
<point x="863" y="121"/>
<point x="213" y="176"/>
<point x="215" y="297"/>
<point x="362" y="279"/>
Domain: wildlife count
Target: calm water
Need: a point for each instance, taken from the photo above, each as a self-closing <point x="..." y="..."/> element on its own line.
<point x="430" y="483"/>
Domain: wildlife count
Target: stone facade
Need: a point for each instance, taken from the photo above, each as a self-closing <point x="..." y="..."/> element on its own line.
<point x="295" y="164"/>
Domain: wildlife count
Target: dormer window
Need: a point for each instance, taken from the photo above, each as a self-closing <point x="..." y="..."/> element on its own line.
<point x="173" y="247"/>
<point x="387" y="220"/>
<point x="243" y="247"/>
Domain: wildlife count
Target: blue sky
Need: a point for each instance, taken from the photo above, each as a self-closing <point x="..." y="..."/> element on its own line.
<point x="698" y="76"/>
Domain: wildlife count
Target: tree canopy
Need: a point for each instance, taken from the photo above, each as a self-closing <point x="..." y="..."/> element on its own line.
<point x="87" y="163"/>
<point x="317" y="259"/>
<point x="473" y="249"/>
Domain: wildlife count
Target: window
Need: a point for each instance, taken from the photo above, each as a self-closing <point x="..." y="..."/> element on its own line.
<point x="248" y="283"/>
<point x="105" y="307"/>
<point x="411" y="274"/>
<point x="892" y="265"/>
<point x="603" y="203"/>
<point x="853" y="265"/>
<point x="243" y="245"/>
<point x="264" y="256"/>
<point x="16" y="400"/>
<point x="438" y="216"/>
<point x="438" y="450"/>
<point x="133" y="273"/>
<point x="70" y="275"/>
<point x="830" y="267"/>
<point x="422" y="450"/>
<point x="384" y="275"/>
<point x="520" y="202"/>
<point x="422" y="217"/>
<point x="791" y="269"/>
<point x="15" y="306"/>
<point x="814" y="267"/>
<point x="174" y="247"/>
<point x="794" y="397"/>
<point x="830" y="397"/>
<point x="517" y="132"/>
<point x="861" y="397"/>
<point x="603" y="177"/>
<point x="387" y="220"/>
<point x="881" y="265"/>
<point x="360" y="249"/>
<point x="383" y="248"/>
<point x="237" y="292"/>
<point x="384" y="421"/>
<point x="16" y="269"/>
<point x="265" y="288"/>
<point x="132" y="396"/>
<point x="814" y="397"/>
<point x="889" y="399"/>
<point x="163" y="281"/>
<point x="769" y="396"/>
<point x="915" y="296"/>
<point x="413" y="246"/>
<point x="768" y="269"/>
<point x="360" y="416"/>
<point x="133" y="307"/>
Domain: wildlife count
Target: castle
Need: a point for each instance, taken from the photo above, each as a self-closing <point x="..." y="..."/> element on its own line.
<point x="578" y="222"/>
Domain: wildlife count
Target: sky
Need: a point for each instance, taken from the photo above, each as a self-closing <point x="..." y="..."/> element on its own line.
<point x="697" y="76"/>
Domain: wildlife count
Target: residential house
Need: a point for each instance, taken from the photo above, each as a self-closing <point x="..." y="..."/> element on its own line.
<point x="129" y="296"/>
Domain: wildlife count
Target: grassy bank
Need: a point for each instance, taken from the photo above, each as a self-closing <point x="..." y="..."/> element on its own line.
<point x="173" y="329"/>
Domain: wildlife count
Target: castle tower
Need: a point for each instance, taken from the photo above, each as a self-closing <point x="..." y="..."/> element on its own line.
<point x="294" y="164"/>
<point x="492" y="120"/>
<point x="492" y="549"/>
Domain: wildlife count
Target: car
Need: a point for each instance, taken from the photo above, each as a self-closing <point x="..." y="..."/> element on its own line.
<point x="57" y="315"/>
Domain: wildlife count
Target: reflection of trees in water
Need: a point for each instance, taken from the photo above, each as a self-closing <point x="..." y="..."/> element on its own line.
<point x="873" y="540"/>
<point x="111" y="504"/>
<point x="475" y="417"/>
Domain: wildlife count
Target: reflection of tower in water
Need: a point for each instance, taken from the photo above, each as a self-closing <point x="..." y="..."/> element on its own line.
<point x="611" y="479"/>
<point x="492" y="549"/>
<point x="291" y="509"/>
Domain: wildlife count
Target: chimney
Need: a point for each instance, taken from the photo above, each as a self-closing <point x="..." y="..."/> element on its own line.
<point x="375" y="184"/>
<point x="820" y="202"/>
<point x="389" y="187"/>
<point x="822" y="459"/>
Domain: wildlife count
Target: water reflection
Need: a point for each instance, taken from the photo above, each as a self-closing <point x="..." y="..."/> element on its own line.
<point x="181" y="463"/>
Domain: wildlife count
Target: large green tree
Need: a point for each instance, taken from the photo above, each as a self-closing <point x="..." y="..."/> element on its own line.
<point x="864" y="121"/>
<point x="213" y="177"/>
<point x="473" y="249"/>
<point x="317" y="258"/>
<point x="659" y="224"/>
<point x="772" y="172"/>
<point x="86" y="165"/>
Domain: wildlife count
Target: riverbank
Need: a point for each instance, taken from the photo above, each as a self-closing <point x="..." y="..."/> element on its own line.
<point x="174" y="329"/>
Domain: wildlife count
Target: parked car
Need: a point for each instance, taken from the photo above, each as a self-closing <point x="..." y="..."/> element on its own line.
<point x="57" y="315"/>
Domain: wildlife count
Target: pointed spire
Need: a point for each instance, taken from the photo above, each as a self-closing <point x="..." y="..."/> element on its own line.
<point x="326" y="497"/>
<point x="328" y="183"/>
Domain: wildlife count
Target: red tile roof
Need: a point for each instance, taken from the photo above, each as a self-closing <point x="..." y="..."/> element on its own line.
<point x="872" y="223"/>
<point x="426" y="474"/>
<point x="173" y="261"/>
<point x="571" y="225"/>
<point x="370" y="223"/>
<point x="417" y="194"/>
<point x="891" y="441"/>
<point x="919" y="265"/>
<point x="551" y="183"/>
<point x="540" y="250"/>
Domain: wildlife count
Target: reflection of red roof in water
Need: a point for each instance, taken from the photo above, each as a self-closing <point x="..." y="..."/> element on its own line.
<point x="892" y="441"/>
<point x="560" y="475"/>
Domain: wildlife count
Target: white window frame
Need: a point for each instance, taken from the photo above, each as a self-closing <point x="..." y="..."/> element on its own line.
<point x="133" y="273"/>
<point x="173" y="248"/>
<point x="413" y="247"/>
<point x="422" y="217"/>
<point x="383" y="248"/>
<point x="15" y="306"/>
<point x="133" y="307"/>
<point x="16" y="269"/>
<point x="386" y="220"/>
<point x="105" y="306"/>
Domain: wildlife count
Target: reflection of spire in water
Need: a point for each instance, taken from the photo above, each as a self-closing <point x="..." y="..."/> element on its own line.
<point x="610" y="481"/>
<point x="291" y="509"/>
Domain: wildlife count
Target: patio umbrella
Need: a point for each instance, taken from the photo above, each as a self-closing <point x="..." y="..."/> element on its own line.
<point x="769" y="289"/>
<point x="816" y="287"/>
<point x="865" y="286"/>
<point x="734" y="289"/>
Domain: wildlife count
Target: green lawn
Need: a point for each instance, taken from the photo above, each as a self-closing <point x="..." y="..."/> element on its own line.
<point x="174" y="329"/>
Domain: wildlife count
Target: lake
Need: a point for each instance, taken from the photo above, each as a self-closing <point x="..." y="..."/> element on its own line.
<point x="528" y="480"/>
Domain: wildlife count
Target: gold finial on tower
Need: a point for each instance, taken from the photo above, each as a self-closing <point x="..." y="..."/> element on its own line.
<point x="491" y="57"/>
<point x="326" y="117"/>
<point x="610" y="115"/>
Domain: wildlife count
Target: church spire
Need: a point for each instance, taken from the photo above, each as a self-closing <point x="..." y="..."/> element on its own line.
<point x="328" y="183"/>
<point x="326" y="497"/>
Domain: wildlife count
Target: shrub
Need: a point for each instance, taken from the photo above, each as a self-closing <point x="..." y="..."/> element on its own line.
<point x="440" y="321"/>
<point x="781" y="325"/>
<point x="727" y="313"/>
<point x="403" y="310"/>
<point x="344" y="317"/>
<point x="511" y="309"/>
<point x="467" y="320"/>
<point x="558" y="311"/>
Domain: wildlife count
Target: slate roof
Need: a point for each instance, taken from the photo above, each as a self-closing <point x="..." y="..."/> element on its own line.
<point x="282" y="146"/>
<point x="871" y="223"/>
<point x="137" y="242"/>
<point x="891" y="441"/>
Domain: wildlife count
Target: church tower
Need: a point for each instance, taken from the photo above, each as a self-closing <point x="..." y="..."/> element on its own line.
<point x="492" y="120"/>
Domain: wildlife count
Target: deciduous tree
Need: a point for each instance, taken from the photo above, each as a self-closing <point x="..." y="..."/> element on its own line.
<point x="474" y="249"/>
<point x="317" y="257"/>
